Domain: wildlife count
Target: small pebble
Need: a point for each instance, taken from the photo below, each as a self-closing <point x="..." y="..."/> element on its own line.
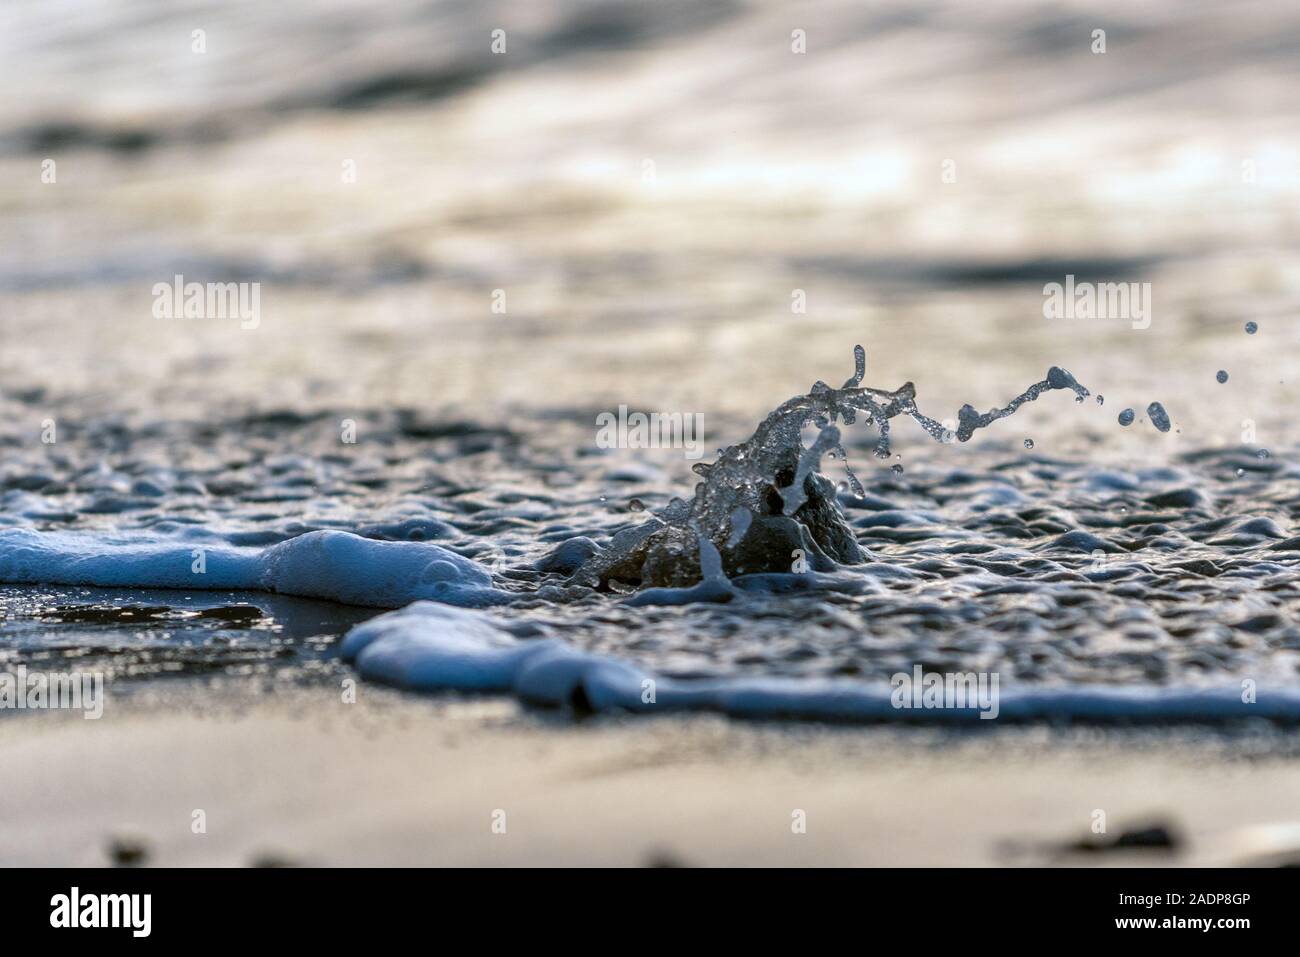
<point x="127" y="851"/>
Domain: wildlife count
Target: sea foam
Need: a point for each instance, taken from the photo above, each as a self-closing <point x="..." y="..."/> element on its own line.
<point x="333" y="565"/>
<point x="432" y="647"/>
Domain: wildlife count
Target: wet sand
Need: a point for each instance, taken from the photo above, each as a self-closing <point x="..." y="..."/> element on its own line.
<point x="397" y="780"/>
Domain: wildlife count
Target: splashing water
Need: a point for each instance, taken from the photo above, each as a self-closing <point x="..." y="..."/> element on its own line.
<point x="765" y="498"/>
<point x="1158" y="416"/>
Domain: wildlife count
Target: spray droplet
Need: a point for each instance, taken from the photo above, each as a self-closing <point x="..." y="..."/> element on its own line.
<point x="636" y="505"/>
<point x="603" y="499"/>
<point x="897" y="468"/>
<point x="1221" y="376"/>
<point x="1252" y="327"/>
<point x="1101" y="400"/>
<point x="1240" y="472"/>
<point x="1262" y="454"/>
<point x="1126" y="418"/>
<point x="1029" y="443"/>
<point x="1158" y="416"/>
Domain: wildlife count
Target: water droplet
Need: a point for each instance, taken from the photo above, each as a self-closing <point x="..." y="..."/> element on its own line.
<point x="1262" y="454"/>
<point x="1221" y="376"/>
<point x="1101" y="400"/>
<point x="636" y="505"/>
<point x="1158" y="416"/>
<point x="1126" y="417"/>
<point x="603" y="499"/>
<point x="1029" y="443"/>
<point x="1252" y="327"/>
<point x="1240" y="472"/>
<point x="897" y="468"/>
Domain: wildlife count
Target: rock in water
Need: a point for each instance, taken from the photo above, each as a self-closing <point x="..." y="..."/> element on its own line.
<point x="765" y="498"/>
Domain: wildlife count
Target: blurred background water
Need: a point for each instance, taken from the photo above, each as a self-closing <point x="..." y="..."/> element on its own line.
<point x="649" y="184"/>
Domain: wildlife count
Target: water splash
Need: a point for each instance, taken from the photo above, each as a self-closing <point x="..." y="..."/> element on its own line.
<point x="764" y="498"/>
<point x="1158" y="416"/>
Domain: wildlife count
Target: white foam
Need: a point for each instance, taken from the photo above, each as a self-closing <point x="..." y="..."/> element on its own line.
<point x="333" y="565"/>
<point x="431" y="647"/>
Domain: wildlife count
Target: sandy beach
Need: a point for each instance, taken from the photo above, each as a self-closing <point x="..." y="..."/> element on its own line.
<point x="392" y="780"/>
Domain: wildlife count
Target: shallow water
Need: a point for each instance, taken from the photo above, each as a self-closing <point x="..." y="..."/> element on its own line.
<point x="1051" y="572"/>
<point x="141" y="635"/>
